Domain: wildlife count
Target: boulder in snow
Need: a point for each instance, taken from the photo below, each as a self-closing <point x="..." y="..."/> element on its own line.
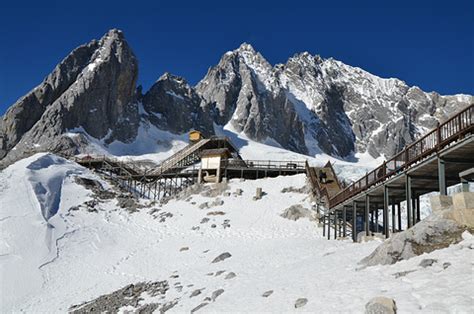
<point x="296" y="212"/>
<point x="381" y="305"/>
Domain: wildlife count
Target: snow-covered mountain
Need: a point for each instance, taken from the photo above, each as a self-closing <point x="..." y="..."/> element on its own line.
<point x="329" y="106"/>
<point x="90" y="102"/>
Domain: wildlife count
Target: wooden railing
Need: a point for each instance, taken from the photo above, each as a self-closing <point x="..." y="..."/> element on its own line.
<point x="435" y="140"/>
<point x="263" y="164"/>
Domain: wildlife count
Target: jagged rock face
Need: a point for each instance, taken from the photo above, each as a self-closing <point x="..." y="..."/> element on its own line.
<point x="93" y="88"/>
<point x="241" y="91"/>
<point x="171" y="104"/>
<point x="340" y="110"/>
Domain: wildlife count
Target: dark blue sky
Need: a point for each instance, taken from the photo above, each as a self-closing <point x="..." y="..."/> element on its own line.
<point x="425" y="43"/>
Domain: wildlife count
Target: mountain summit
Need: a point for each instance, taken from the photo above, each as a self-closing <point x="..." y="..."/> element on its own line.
<point x="308" y="105"/>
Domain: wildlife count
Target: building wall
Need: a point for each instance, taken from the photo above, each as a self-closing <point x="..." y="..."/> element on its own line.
<point x="211" y="162"/>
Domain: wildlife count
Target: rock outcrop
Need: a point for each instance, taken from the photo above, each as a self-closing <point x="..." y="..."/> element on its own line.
<point x="171" y="104"/>
<point x="92" y="89"/>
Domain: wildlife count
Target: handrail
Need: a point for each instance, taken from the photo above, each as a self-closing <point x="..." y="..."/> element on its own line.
<point x="444" y="134"/>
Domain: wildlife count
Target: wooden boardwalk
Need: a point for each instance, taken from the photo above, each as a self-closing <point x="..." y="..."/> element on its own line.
<point x="179" y="170"/>
<point x="432" y="163"/>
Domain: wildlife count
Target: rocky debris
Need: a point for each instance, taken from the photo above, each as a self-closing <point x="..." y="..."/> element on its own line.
<point x="129" y="296"/>
<point x="184" y="248"/>
<point x="213" y="226"/>
<point x="221" y="257"/>
<point x="214" y="190"/>
<point x="427" y="262"/>
<point x="432" y="233"/>
<point x="216" y="213"/>
<point x="217" y="202"/>
<point x="296" y="212"/>
<point x="381" y="305"/>
<point x="226" y="223"/>
<point x="216" y="293"/>
<point x="403" y="273"/>
<point x="127" y="202"/>
<point x="200" y="306"/>
<point x="268" y="293"/>
<point x="96" y="187"/>
<point x="238" y="192"/>
<point x="174" y="276"/>
<point x="196" y="293"/>
<point x="300" y="302"/>
<point x="204" y="205"/>
<point x="230" y="275"/>
<point x="220" y="272"/>
<point x="204" y="220"/>
<point x="210" y="274"/>
<point x="446" y="265"/>
<point x="164" y="216"/>
<point x="292" y="189"/>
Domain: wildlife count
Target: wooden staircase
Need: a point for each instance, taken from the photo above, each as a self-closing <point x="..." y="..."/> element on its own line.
<point x="183" y="158"/>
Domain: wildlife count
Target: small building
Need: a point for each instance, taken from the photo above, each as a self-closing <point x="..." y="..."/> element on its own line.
<point x="211" y="164"/>
<point x="195" y="136"/>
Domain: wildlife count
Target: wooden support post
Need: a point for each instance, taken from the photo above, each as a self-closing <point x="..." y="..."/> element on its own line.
<point x="408" y="199"/>
<point x="324" y="226"/>
<point x="329" y="226"/>
<point x="413" y="209"/>
<point x="442" y="177"/>
<point x="354" y="221"/>
<point x="344" y="219"/>
<point x="418" y="211"/>
<point x="376" y="219"/>
<point x="366" y="212"/>
<point x="386" y="228"/>
<point x="399" y="216"/>
<point x="335" y="225"/>
<point x="393" y="215"/>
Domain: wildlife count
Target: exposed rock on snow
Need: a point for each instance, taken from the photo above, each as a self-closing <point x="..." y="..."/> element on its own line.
<point x="381" y="305"/>
<point x="266" y="294"/>
<point x="432" y="233"/>
<point x="221" y="257"/>
<point x="428" y="262"/>
<point x="296" y="212"/>
<point x="301" y="302"/>
<point x="129" y="296"/>
<point x="230" y="275"/>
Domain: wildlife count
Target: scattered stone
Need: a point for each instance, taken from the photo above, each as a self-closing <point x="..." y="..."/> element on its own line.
<point x="210" y="274"/>
<point x="217" y="202"/>
<point x="226" y="223"/>
<point x="213" y="226"/>
<point x="427" y="262"/>
<point x="266" y="294"/>
<point x="184" y="248"/>
<point x="227" y="194"/>
<point x="230" y="275"/>
<point x="381" y="305"/>
<point x="238" y="192"/>
<point x="200" y="306"/>
<point x="258" y="194"/>
<point x="193" y="203"/>
<point x="188" y="199"/>
<point x="216" y="213"/>
<point x="205" y="251"/>
<point x="403" y="273"/>
<point x="168" y="306"/>
<point x="221" y="257"/>
<point x="220" y="272"/>
<point x="74" y="208"/>
<point x="154" y="210"/>
<point x="195" y="228"/>
<point x="300" y="302"/>
<point x="446" y="265"/>
<point x="204" y="205"/>
<point x="195" y="293"/>
<point x="164" y="216"/>
<point x="174" y="276"/>
<point x="216" y="293"/>
<point x="204" y="220"/>
<point x="214" y="190"/>
<point x="292" y="189"/>
<point x="296" y="212"/>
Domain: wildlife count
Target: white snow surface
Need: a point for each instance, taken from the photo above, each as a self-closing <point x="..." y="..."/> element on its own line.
<point x="75" y="256"/>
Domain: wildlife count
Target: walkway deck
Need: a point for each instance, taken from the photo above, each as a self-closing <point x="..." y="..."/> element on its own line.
<point x="430" y="164"/>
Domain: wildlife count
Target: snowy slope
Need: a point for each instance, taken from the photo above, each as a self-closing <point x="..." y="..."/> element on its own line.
<point x="78" y="255"/>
